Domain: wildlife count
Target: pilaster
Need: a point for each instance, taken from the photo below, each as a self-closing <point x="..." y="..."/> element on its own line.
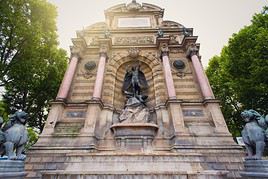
<point x="173" y="105"/>
<point x="100" y="72"/>
<point x="68" y="76"/>
<point x="54" y="115"/>
<point x="214" y="109"/>
<point x="192" y="53"/>
<point x="95" y="104"/>
<point x="164" y="55"/>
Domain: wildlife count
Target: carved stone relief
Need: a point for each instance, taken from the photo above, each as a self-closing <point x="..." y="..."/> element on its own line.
<point x="89" y="69"/>
<point x="193" y="112"/>
<point x="91" y="41"/>
<point x="133" y="52"/>
<point x="176" y="39"/>
<point x="142" y="40"/>
<point x="180" y="67"/>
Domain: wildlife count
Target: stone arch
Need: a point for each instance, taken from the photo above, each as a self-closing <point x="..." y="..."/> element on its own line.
<point x="114" y="77"/>
<point x="119" y="98"/>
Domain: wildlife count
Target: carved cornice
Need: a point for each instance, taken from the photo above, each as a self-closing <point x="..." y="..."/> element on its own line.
<point x="192" y="50"/>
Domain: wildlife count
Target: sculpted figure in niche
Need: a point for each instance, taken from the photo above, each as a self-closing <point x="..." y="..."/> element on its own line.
<point x="135" y="110"/>
<point x="134" y="81"/>
<point x="254" y="134"/>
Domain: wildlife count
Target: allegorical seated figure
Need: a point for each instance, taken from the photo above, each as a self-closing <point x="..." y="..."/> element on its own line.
<point x="254" y="134"/>
<point x="14" y="136"/>
<point x="135" y="110"/>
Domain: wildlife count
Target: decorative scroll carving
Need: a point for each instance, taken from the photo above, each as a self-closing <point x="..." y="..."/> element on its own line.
<point x="192" y="50"/>
<point x="143" y="40"/>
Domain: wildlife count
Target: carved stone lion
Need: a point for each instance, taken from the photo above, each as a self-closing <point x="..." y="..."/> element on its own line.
<point x="14" y="136"/>
<point x="254" y="133"/>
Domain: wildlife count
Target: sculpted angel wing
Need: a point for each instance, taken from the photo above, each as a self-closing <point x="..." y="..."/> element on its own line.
<point x="127" y="81"/>
<point x="143" y="80"/>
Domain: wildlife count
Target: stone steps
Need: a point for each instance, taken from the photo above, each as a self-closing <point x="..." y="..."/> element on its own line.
<point x="109" y="165"/>
<point x="131" y="175"/>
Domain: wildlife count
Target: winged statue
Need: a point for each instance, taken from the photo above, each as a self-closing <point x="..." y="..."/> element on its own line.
<point x="134" y="81"/>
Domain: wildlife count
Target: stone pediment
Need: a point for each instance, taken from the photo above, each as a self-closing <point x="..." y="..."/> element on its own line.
<point x="171" y="24"/>
<point x="134" y="6"/>
<point x="97" y="26"/>
<point x="151" y="7"/>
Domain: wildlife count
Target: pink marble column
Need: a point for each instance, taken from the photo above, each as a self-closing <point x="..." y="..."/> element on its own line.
<point x="167" y="73"/>
<point x="200" y="74"/>
<point x="100" y="76"/>
<point x="67" y="80"/>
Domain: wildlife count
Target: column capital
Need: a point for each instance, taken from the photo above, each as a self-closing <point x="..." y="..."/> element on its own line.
<point x="192" y="50"/>
<point x="74" y="52"/>
<point x="164" y="50"/>
<point x="103" y="50"/>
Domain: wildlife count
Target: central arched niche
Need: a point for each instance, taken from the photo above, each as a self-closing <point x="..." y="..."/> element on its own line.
<point x="119" y="98"/>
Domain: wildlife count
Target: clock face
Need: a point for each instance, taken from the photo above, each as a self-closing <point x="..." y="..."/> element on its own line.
<point x="134" y="22"/>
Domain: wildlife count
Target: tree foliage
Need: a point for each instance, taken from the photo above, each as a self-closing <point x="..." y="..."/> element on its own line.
<point x="31" y="64"/>
<point x="239" y="75"/>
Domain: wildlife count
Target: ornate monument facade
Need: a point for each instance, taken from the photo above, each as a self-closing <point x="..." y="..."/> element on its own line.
<point x="135" y="102"/>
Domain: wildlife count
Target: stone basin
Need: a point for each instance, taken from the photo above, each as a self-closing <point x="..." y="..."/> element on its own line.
<point x="134" y="136"/>
<point x="134" y="130"/>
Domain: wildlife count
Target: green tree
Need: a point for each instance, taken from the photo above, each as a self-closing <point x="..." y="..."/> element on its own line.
<point x="31" y="64"/>
<point x="239" y="75"/>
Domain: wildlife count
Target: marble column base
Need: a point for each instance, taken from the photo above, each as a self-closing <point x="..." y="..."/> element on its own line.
<point x="255" y="169"/>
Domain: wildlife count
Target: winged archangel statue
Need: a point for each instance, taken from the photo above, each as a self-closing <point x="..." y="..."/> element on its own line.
<point x="134" y="82"/>
<point x="134" y="85"/>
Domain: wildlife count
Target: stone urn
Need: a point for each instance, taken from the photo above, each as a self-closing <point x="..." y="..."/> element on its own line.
<point x="134" y="136"/>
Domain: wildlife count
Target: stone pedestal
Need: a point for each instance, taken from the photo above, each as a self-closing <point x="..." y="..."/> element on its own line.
<point x="134" y="136"/>
<point x="255" y="169"/>
<point x="12" y="169"/>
